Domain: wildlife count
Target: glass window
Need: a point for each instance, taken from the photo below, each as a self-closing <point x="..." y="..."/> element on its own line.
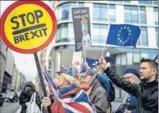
<point x="64" y="11"/>
<point x="156" y="15"/>
<point x="100" y="12"/>
<point x="58" y="35"/>
<point x="127" y="14"/>
<point x="144" y="55"/>
<point x="156" y="2"/>
<point x="62" y="33"/>
<point x="70" y="32"/>
<point x="111" y="13"/>
<point x="149" y="2"/>
<point x="118" y="1"/>
<point x="118" y="60"/>
<point x="134" y="14"/>
<point x="138" y="42"/>
<point x="96" y="11"/>
<point x="103" y="12"/>
<point x="129" y="58"/>
<point x="127" y="1"/>
<point x="156" y="29"/>
<point x="64" y="30"/>
<point x="142" y="15"/>
<point x="131" y="14"/>
<point x="123" y="59"/>
<point x="144" y="2"/>
<point x="143" y="37"/>
<point x="99" y="33"/>
<point x="136" y="58"/>
<point x="65" y="33"/>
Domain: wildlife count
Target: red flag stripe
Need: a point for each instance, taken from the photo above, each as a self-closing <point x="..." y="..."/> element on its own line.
<point x="79" y="107"/>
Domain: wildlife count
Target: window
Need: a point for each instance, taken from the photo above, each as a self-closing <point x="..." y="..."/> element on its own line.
<point x="156" y="29"/>
<point x="99" y="33"/>
<point x="143" y="37"/>
<point x="144" y="55"/>
<point x="152" y="53"/>
<point x="111" y="13"/>
<point x="118" y="62"/>
<point x="131" y="14"/>
<point x="62" y="33"/>
<point x="142" y="13"/>
<point x="155" y="2"/>
<point x="70" y="33"/>
<point x="135" y="15"/>
<point x="64" y="11"/>
<point x="127" y="1"/>
<point x="136" y="58"/>
<point x="100" y="11"/>
<point x="65" y="33"/>
<point x="129" y="58"/>
<point x="156" y="15"/>
<point x="104" y="12"/>
<point x="123" y="59"/>
<point x="145" y="2"/>
<point x="118" y="1"/>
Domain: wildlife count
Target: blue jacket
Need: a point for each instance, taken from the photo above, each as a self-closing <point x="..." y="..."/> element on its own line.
<point x="130" y="104"/>
<point x="66" y="89"/>
<point x="104" y="80"/>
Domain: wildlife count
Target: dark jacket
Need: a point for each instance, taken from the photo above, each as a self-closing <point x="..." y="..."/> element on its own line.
<point x="146" y="93"/>
<point x="25" y="96"/>
<point x="98" y="98"/>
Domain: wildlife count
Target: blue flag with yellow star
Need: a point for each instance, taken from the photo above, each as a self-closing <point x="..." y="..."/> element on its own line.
<point x="123" y="35"/>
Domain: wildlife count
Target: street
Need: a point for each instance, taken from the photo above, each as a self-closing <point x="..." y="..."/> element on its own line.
<point x="13" y="107"/>
<point x="9" y="107"/>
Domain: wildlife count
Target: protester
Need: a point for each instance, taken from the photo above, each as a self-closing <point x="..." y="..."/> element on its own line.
<point x="96" y="93"/>
<point x="26" y="94"/>
<point x="129" y="106"/>
<point x="69" y="88"/>
<point x="65" y="83"/>
<point x="146" y="92"/>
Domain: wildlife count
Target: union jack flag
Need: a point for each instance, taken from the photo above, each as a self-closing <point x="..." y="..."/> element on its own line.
<point x="79" y="103"/>
<point x="53" y="88"/>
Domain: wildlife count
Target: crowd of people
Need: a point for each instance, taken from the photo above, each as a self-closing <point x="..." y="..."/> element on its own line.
<point x="141" y="86"/>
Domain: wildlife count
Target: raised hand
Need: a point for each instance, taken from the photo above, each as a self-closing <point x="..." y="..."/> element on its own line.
<point x="103" y="63"/>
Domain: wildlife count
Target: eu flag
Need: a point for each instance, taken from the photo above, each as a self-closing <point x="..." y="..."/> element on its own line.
<point x="123" y="35"/>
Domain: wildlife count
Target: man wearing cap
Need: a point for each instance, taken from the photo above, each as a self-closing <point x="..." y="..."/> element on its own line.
<point x="146" y="92"/>
<point x="97" y="93"/>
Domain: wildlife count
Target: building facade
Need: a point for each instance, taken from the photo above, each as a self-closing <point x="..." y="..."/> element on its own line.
<point x="22" y="81"/>
<point x="3" y="53"/>
<point x="14" y="78"/>
<point x="8" y="73"/>
<point x="103" y="13"/>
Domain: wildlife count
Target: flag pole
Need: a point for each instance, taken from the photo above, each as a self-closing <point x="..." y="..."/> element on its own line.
<point x="109" y="23"/>
<point x="40" y="73"/>
<point x="84" y="54"/>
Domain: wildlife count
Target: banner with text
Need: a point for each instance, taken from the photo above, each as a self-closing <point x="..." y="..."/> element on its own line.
<point x="81" y="22"/>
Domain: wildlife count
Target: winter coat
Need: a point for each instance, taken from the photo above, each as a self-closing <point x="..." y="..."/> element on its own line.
<point x="25" y="96"/>
<point x="146" y="93"/>
<point x="98" y="98"/>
